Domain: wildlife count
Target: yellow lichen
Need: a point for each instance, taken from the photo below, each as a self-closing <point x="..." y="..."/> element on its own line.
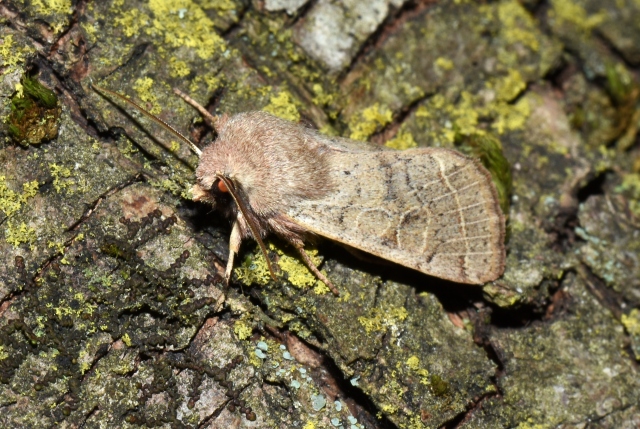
<point x="127" y="340"/>
<point x="413" y="363"/>
<point x="298" y="274"/>
<point x="3" y="353"/>
<point x="511" y="117"/>
<point x="90" y="30"/>
<point x="364" y="124"/>
<point x="182" y="23"/>
<point x="569" y="12"/>
<point x="11" y="201"/>
<point x="632" y="322"/>
<point x="51" y="6"/>
<point x="219" y="5"/>
<point x="59" y="173"/>
<point x="422" y="112"/>
<point x="255" y="361"/>
<point x="510" y="86"/>
<point x="142" y="86"/>
<point x="309" y="425"/>
<point x="18" y="234"/>
<point x="518" y="25"/>
<point x="403" y="140"/>
<point x="58" y="245"/>
<point x="344" y="296"/>
<point x="132" y="21"/>
<point x="379" y="320"/>
<point x="282" y="105"/>
<point x="242" y="329"/>
<point x="19" y="90"/>
<point x="529" y="425"/>
<point x="321" y="98"/>
<point x="321" y="288"/>
<point x="631" y="184"/>
<point x="12" y="53"/>
<point x="254" y="270"/>
<point x="5" y="51"/>
<point x="178" y="68"/>
<point x="444" y="63"/>
<point x="389" y="409"/>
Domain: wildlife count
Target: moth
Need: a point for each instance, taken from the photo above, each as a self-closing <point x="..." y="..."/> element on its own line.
<point x="433" y="210"/>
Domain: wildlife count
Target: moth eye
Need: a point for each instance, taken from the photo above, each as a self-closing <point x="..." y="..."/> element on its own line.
<point x="222" y="187"/>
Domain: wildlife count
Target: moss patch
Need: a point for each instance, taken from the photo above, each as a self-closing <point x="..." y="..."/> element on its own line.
<point x="35" y="113"/>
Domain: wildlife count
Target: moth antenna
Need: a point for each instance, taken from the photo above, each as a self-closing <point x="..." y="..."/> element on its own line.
<point x="254" y="230"/>
<point x="195" y="149"/>
<point x="211" y="120"/>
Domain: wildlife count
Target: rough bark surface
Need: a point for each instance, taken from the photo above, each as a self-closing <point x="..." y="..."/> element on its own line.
<point x="112" y="312"/>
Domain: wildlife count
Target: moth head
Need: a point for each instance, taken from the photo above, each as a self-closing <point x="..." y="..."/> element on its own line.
<point x="211" y="193"/>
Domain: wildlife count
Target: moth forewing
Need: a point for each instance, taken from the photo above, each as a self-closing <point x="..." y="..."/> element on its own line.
<point x="433" y="210"/>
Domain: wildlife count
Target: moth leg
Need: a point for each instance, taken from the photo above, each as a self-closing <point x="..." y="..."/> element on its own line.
<point x="234" y="247"/>
<point x="307" y="260"/>
<point x="211" y="120"/>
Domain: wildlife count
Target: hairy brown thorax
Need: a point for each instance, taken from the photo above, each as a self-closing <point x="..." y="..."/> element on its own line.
<point x="275" y="162"/>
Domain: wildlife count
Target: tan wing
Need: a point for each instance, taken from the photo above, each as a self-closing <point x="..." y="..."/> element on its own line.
<point x="433" y="210"/>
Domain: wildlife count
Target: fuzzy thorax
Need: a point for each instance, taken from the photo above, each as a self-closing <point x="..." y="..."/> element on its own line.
<point x="274" y="163"/>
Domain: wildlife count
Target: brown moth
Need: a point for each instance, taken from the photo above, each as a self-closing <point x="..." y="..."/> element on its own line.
<point x="430" y="209"/>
